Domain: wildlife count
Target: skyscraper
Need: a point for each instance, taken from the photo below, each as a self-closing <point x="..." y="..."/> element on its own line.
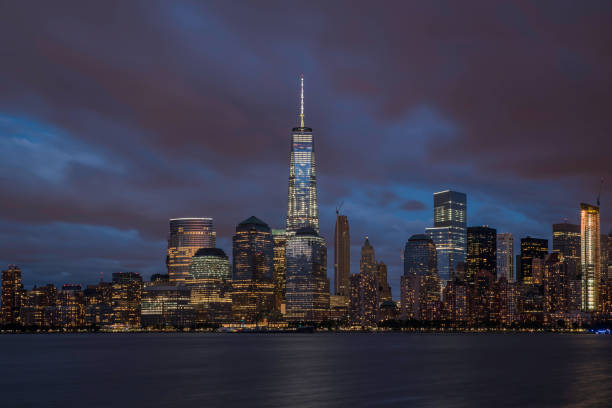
<point x="307" y="286"/>
<point x="481" y="251"/>
<point x="449" y="231"/>
<point x="505" y="256"/>
<point x="364" y="300"/>
<point x="127" y="295"/>
<point x="187" y="235"/>
<point x="302" y="210"/>
<point x="531" y="248"/>
<point x="253" y="251"/>
<point x="279" y="237"/>
<point x="590" y="256"/>
<point x="253" y="286"/>
<point x="566" y="241"/>
<point x="211" y="286"/>
<point x="342" y="255"/>
<point x="12" y="289"/>
<point x="420" y="282"/>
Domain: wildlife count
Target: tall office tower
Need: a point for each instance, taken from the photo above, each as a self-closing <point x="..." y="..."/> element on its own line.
<point x="384" y="290"/>
<point x="590" y="256"/>
<point x="363" y="303"/>
<point x="342" y="255"/>
<point x="481" y="251"/>
<point x="307" y="287"/>
<point x="210" y="286"/>
<point x="420" y="269"/>
<point x="449" y="231"/>
<point x="566" y="241"/>
<point x="530" y="248"/>
<point x="187" y="235"/>
<point x="253" y="251"/>
<point x="98" y="304"/>
<point x="302" y="210"/>
<point x="253" y="274"/>
<point x="12" y="289"/>
<point x="127" y="294"/>
<point x="556" y="284"/>
<point x="279" y="237"/>
<point x="35" y="302"/>
<point x="505" y="256"/>
<point x="608" y="274"/>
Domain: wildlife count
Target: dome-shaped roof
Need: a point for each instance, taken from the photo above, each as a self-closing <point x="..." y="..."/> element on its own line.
<point x="419" y="237"/>
<point x="218" y="252"/>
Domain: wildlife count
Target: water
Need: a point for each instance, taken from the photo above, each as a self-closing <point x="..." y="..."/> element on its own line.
<point x="305" y="370"/>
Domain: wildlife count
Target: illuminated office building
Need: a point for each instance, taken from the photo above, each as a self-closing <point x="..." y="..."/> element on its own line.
<point x="342" y="256"/>
<point x="590" y="256"/>
<point x="604" y="252"/>
<point x="210" y="285"/>
<point x="307" y="283"/>
<point x="556" y="284"/>
<point x="253" y="251"/>
<point x="36" y="305"/>
<point x="187" y="235"/>
<point x="98" y="304"/>
<point x="420" y="274"/>
<point x="12" y="289"/>
<point x="449" y="231"/>
<point x="279" y="238"/>
<point x="302" y="210"/>
<point x="505" y="256"/>
<point x="126" y="298"/>
<point x="481" y="251"/>
<point x="384" y="290"/>
<point x="566" y="241"/>
<point x="71" y="306"/>
<point x="531" y="248"/>
<point x="166" y="306"/>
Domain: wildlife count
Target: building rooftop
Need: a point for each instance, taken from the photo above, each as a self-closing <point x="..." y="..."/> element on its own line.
<point x="218" y="252"/>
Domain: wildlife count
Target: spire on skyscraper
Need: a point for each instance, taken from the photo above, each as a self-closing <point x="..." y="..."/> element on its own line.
<point x="301" y="100"/>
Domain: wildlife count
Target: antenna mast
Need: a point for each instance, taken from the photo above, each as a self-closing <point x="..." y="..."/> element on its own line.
<point x="301" y="100"/>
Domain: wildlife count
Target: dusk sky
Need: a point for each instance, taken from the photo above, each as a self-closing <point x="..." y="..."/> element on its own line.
<point x="116" y="116"/>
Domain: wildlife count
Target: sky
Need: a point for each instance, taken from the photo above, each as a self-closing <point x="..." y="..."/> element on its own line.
<point x="116" y="116"/>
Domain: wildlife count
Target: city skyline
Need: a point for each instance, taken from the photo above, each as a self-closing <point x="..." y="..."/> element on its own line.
<point x="59" y="226"/>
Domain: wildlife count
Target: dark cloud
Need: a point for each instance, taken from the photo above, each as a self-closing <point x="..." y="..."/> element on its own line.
<point x="412" y="205"/>
<point x="116" y="116"/>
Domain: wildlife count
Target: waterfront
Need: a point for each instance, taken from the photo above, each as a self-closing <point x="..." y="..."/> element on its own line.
<point x="310" y="370"/>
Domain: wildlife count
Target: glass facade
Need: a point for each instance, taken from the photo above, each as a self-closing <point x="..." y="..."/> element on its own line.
<point x="187" y="235"/>
<point x="12" y="289"/>
<point x="126" y="298"/>
<point x="253" y="251"/>
<point x="164" y="306"/>
<point x="481" y="251"/>
<point x="307" y="283"/>
<point x="590" y="256"/>
<point x="449" y="231"/>
<point x="420" y="257"/>
<point x="505" y="256"/>
<point x="279" y="236"/>
<point x="531" y="248"/>
<point x="302" y="210"/>
<point x="210" y="286"/>
<point x="566" y="241"/>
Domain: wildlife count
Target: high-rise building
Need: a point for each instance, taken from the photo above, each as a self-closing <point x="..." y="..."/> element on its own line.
<point x="364" y="299"/>
<point x="166" y="306"/>
<point x="481" y="251"/>
<point x="420" y="283"/>
<point x="127" y="295"/>
<point x="590" y="256"/>
<point x="279" y="237"/>
<point x="449" y="231"/>
<point x="531" y="248"/>
<point x="307" y="283"/>
<point x="253" y="289"/>
<point x="36" y="305"/>
<point x="210" y="286"/>
<point x="71" y="306"/>
<point x="187" y="235"/>
<point x="99" y="304"/>
<point x="384" y="290"/>
<point x="307" y="286"/>
<point x="556" y="284"/>
<point x="566" y="241"/>
<point x="505" y="256"/>
<point x="12" y="289"/>
<point x="302" y="209"/>
<point x="253" y="251"/>
<point x="342" y="256"/>
<point x="604" y="252"/>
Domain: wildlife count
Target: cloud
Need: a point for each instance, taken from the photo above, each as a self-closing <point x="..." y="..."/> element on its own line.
<point x="412" y="205"/>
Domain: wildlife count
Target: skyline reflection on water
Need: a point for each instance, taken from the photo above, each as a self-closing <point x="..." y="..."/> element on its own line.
<point x="306" y="370"/>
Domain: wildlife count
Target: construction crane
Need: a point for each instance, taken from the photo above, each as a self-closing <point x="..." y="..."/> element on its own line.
<point x="599" y="194"/>
<point x="339" y="207"/>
